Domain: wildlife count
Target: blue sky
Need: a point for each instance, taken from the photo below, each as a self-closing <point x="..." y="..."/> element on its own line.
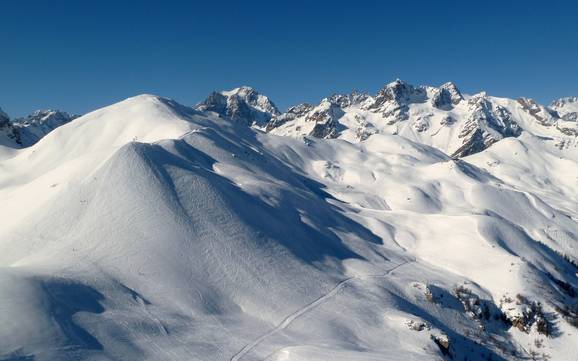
<point x="80" y="55"/>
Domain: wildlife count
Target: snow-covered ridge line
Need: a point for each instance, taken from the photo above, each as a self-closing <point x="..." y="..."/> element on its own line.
<point x="24" y="132"/>
<point x="442" y="117"/>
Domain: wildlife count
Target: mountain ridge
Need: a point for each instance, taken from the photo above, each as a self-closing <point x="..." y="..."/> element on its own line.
<point x="152" y="230"/>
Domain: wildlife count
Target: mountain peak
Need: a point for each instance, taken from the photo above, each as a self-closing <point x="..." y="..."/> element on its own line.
<point x="39" y="123"/>
<point x="446" y="96"/>
<point x="566" y="108"/>
<point x="243" y="104"/>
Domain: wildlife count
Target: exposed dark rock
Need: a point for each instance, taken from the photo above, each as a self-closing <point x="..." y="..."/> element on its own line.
<point x="446" y="96"/>
<point x="486" y="124"/>
<point x="244" y="105"/>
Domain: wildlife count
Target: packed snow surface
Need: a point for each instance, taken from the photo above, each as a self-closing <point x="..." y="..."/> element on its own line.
<point x="149" y="230"/>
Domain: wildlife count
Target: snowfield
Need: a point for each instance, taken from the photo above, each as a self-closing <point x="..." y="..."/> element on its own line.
<point x="149" y="230"/>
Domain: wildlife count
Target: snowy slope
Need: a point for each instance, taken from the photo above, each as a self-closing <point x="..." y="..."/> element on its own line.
<point x="148" y="230"/>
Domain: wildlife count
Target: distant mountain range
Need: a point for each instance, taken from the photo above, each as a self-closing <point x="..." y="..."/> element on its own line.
<point x="442" y="117"/>
<point x="24" y="132"/>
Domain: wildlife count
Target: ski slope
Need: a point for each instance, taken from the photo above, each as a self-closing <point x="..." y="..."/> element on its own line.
<point x="149" y="230"/>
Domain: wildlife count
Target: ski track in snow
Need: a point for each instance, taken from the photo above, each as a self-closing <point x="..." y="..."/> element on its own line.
<point x="309" y="307"/>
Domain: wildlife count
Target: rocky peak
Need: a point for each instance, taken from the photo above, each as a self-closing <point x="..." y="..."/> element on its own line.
<point x="319" y="121"/>
<point x="486" y="124"/>
<point x="446" y="96"/>
<point x="325" y="116"/>
<point x="566" y="108"/>
<point x="215" y="102"/>
<point x="562" y="102"/>
<point x="292" y="113"/>
<point x="346" y="100"/>
<point x="41" y="122"/>
<point x="393" y="100"/>
<point x="538" y="112"/>
<point x="440" y="116"/>
<point x="400" y="92"/>
<point x="51" y="118"/>
<point x="243" y="104"/>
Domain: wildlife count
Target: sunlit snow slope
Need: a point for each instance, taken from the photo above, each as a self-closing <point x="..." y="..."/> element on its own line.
<point x="148" y="230"/>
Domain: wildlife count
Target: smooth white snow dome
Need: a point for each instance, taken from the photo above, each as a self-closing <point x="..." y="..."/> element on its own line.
<point x="417" y="224"/>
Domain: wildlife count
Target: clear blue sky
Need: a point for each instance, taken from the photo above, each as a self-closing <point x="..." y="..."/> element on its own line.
<point x="81" y="55"/>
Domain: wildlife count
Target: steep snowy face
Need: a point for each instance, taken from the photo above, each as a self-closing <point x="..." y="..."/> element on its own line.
<point x="441" y="117"/>
<point x="244" y="105"/>
<point x="41" y="122"/>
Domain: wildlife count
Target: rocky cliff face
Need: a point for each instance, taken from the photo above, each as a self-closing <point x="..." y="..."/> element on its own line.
<point x="393" y="101"/>
<point x="24" y="132"/>
<point x="566" y="108"/>
<point x="486" y="124"/>
<point x="446" y="96"/>
<point x="242" y="104"/>
<point x="457" y="124"/>
<point x="41" y="122"/>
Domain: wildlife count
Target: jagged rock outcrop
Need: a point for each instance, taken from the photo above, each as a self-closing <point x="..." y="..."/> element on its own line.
<point x="24" y="132"/>
<point x="347" y="100"/>
<point x="242" y="104"/>
<point x="325" y="119"/>
<point x="566" y="108"/>
<point x="41" y="122"/>
<point x="446" y="96"/>
<point x="486" y="124"/>
<point x="457" y="124"/>
<point x="541" y="114"/>
<point x="393" y="100"/>
<point x="292" y="113"/>
<point x="319" y="121"/>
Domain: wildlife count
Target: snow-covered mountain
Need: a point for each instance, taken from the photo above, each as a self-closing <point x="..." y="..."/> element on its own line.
<point x="149" y="230"/>
<point x="567" y="108"/>
<point x="458" y="125"/>
<point x="243" y="104"/>
<point x="41" y="122"/>
<point x="24" y="132"/>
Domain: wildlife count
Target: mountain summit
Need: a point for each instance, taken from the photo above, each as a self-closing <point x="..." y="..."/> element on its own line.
<point x="243" y="104"/>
